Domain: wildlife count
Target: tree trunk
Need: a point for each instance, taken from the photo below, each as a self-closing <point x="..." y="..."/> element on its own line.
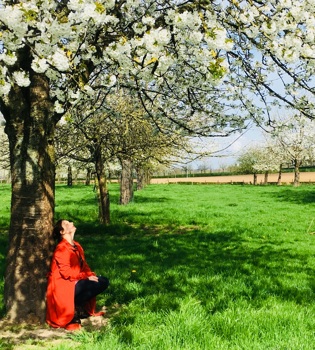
<point x="279" y="175"/>
<point x="266" y="178"/>
<point x="69" y="179"/>
<point x="141" y="176"/>
<point x="147" y="177"/>
<point x="255" y="179"/>
<point x="30" y="128"/>
<point x="88" y="176"/>
<point x="296" y="182"/>
<point x="103" y="194"/>
<point x="126" y="183"/>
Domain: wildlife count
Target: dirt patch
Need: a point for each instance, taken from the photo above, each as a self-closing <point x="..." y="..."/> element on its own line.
<point x="26" y="337"/>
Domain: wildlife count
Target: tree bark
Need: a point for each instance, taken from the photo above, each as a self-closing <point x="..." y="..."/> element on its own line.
<point x="141" y="178"/>
<point x="69" y="179"/>
<point x="255" y="179"/>
<point x="266" y="178"/>
<point x="88" y="176"/>
<point x="296" y="182"/>
<point x="279" y="175"/>
<point x="126" y="182"/>
<point x="102" y="191"/>
<point x="29" y="125"/>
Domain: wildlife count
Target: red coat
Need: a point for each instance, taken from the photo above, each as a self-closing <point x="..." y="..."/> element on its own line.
<point x="68" y="266"/>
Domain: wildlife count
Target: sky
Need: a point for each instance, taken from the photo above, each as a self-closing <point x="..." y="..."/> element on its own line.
<point x="228" y="149"/>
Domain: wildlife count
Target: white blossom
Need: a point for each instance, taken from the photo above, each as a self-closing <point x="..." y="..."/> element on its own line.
<point x="8" y="58"/>
<point x="5" y="87"/>
<point x="58" y="107"/>
<point x="39" y="65"/>
<point x="21" y="78"/>
<point x="60" y="60"/>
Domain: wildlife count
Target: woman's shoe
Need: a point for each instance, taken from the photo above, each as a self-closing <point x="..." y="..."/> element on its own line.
<point x="100" y="313"/>
<point x="75" y="324"/>
<point x="73" y="327"/>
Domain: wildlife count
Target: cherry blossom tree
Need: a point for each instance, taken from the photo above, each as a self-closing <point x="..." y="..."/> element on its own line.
<point x="55" y="53"/>
<point x="272" y="61"/>
<point x="294" y="140"/>
<point x="268" y="159"/>
<point x="248" y="160"/>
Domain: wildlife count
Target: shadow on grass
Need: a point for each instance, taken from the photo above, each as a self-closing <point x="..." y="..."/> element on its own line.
<point x="158" y="268"/>
<point x="300" y="195"/>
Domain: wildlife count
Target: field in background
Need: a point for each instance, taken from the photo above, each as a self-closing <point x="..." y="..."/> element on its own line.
<point x="216" y="267"/>
<point x="286" y="178"/>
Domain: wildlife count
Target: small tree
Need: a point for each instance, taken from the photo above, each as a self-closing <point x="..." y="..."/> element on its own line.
<point x="248" y="160"/>
<point x="294" y="137"/>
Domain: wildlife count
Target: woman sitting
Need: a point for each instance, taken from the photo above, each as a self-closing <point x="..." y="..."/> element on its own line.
<point x="72" y="286"/>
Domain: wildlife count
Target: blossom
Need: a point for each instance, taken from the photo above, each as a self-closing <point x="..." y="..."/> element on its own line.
<point x="39" y="65"/>
<point x="5" y="87"/>
<point x="60" y="60"/>
<point x="21" y="78"/>
<point x="58" y="107"/>
<point x="8" y="58"/>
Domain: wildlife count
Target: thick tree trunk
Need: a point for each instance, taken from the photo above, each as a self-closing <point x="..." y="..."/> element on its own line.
<point x="30" y="129"/>
<point x="69" y="179"/>
<point x="102" y="191"/>
<point x="126" y="182"/>
<point x="296" y="182"/>
<point x="279" y="175"/>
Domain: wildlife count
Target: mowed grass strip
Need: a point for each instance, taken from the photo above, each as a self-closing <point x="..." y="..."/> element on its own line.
<point x="200" y="266"/>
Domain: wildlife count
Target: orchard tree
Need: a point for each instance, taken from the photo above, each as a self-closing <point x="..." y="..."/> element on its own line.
<point x="135" y="140"/>
<point x="248" y="160"/>
<point x="56" y="53"/>
<point x="294" y="138"/>
<point x="85" y="139"/>
<point x="272" y="61"/>
<point x="267" y="161"/>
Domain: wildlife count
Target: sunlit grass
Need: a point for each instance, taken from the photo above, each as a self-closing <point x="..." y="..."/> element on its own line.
<point x="200" y="266"/>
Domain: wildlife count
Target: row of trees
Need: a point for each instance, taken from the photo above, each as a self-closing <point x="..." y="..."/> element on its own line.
<point x="116" y="132"/>
<point x="290" y="142"/>
<point x="195" y="68"/>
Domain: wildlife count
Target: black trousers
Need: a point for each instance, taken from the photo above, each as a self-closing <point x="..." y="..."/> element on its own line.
<point x="86" y="289"/>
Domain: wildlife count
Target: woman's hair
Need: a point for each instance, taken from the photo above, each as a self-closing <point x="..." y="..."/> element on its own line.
<point x="57" y="230"/>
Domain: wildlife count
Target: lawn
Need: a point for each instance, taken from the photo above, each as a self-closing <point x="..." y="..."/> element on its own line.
<point x="196" y="266"/>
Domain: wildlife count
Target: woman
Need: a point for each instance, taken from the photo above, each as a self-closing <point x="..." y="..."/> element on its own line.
<point x="72" y="286"/>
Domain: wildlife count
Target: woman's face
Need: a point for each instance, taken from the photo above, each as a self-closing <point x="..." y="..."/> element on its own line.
<point x="68" y="227"/>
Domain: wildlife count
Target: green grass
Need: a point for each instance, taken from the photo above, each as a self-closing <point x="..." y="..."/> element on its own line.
<point x="198" y="266"/>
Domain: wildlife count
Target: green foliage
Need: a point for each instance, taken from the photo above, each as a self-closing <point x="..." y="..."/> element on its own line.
<point x="200" y="266"/>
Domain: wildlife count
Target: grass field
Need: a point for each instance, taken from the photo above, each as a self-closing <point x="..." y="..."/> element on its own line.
<point x="195" y="267"/>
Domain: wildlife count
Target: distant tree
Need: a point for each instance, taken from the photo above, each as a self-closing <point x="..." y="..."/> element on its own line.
<point x="248" y="160"/>
<point x="294" y="138"/>
<point x="267" y="160"/>
<point x="202" y="167"/>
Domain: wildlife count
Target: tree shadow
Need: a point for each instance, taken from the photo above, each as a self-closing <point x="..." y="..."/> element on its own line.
<point x="163" y="268"/>
<point x="300" y="195"/>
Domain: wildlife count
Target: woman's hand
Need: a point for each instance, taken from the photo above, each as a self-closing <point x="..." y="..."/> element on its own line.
<point x="93" y="278"/>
